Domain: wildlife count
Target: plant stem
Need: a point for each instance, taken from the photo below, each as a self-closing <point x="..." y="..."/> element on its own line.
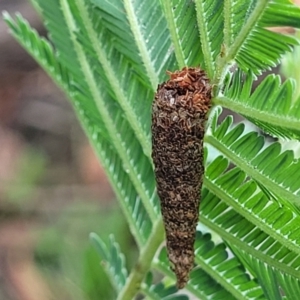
<point x="141" y="42"/>
<point x="144" y="262"/>
<point x="204" y="38"/>
<point x="240" y="39"/>
<point x="170" y="17"/>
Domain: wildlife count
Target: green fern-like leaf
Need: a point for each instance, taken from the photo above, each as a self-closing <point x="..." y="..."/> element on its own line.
<point x="202" y="285"/>
<point x="246" y="198"/>
<point x="238" y="231"/>
<point x="162" y="291"/>
<point x="271" y="106"/>
<point x="217" y="275"/>
<point x="113" y="260"/>
<point x="146" y="26"/>
<point x="246" y="35"/>
<point x="87" y="112"/>
<point x="249" y="152"/>
<point x="182" y="24"/>
<point x="210" y="21"/>
<point x="276" y="285"/>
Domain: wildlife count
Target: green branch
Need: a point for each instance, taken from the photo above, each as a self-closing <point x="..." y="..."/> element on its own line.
<point x="233" y="50"/>
<point x="227" y="23"/>
<point x="143" y="264"/>
<point x="247" y="28"/>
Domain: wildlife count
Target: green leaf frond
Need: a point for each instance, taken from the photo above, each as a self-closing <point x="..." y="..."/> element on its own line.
<point x="201" y="285"/>
<point x="248" y="42"/>
<point x="186" y="21"/>
<point x="271" y="106"/>
<point x="281" y="13"/>
<point x="289" y="284"/>
<point x="230" y="31"/>
<point x="288" y="70"/>
<point x="237" y="230"/>
<point x="112" y="17"/>
<point x="245" y="197"/>
<point x="130" y="202"/>
<point x="276" y="285"/>
<point x="251" y="153"/>
<point x="181" y="20"/>
<point x="146" y="24"/>
<point x="217" y="274"/>
<point x="236" y="13"/>
<point x="118" y="128"/>
<point x="161" y="291"/>
<point x="74" y="18"/>
<point x="122" y="175"/>
<point x="226" y="270"/>
<point x="43" y="53"/>
<point x="113" y="260"/>
<point x="108" y="62"/>
<point x="210" y="24"/>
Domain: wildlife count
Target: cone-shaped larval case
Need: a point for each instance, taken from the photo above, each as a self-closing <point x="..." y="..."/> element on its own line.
<point x="178" y="124"/>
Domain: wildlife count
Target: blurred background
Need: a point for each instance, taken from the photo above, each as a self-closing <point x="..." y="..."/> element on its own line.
<point x="53" y="192"/>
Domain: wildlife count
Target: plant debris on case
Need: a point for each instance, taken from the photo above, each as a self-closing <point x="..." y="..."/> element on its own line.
<point x="178" y="124"/>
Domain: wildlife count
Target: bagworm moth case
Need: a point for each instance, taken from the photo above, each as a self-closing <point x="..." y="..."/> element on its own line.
<point x="178" y="124"/>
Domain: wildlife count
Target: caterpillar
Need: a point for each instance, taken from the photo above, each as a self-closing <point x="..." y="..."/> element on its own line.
<point x="178" y="124"/>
